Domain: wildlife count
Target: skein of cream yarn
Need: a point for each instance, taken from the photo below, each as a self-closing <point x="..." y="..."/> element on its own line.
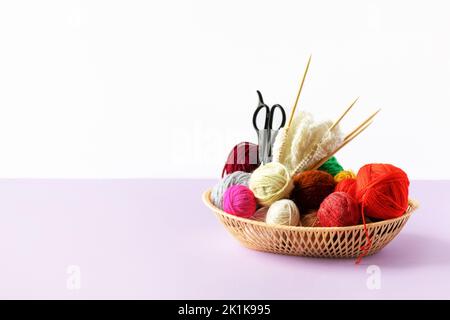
<point x="270" y="182"/>
<point x="307" y="142"/>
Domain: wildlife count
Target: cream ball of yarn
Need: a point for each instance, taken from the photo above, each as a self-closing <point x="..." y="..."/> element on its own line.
<point x="283" y="212"/>
<point x="235" y="178"/>
<point x="270" y="182"/>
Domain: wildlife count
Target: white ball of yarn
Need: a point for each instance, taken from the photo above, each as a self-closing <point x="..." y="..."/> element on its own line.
<point x="283" y="212"/>
<point x="235" y="178"/>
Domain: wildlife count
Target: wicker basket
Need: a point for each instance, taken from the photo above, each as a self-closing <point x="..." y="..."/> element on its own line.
<point x="342" y="242"/>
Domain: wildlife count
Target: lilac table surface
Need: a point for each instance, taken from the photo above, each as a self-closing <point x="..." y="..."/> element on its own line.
<point x="154" y="239"/>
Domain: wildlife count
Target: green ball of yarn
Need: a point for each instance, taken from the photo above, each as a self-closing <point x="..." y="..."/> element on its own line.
<point x="332" y="166"/>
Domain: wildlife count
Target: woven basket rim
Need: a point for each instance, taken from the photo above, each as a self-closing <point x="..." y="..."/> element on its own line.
<point x="413" y="205"/>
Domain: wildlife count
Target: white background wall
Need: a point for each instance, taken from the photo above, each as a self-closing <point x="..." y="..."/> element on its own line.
<point x="166" y="88"/>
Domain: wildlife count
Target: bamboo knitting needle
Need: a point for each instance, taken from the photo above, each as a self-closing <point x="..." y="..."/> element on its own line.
<point x="362" y="124"/>
<point x="359" y="131"/>
<point x="299" y="92"/>
<point x="350" y="136"/>
<point x="321" y="162"/>
<point x="343" y="115"/>
<point x="278" y="156"/>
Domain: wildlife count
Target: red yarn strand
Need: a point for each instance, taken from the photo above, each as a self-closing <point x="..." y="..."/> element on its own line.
<point x="366" y="247"/>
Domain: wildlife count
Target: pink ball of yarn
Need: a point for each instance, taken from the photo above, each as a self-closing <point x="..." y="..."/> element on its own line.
<point x="339" y="209"/>
<point x="240" y="201"/>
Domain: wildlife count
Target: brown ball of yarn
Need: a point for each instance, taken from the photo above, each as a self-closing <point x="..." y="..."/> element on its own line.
<point x="311" y="187"/>
<point x="260" y="214"/>
<point x="310" y="219"/>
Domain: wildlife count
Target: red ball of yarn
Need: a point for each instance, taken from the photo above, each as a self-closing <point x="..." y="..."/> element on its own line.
<point x="239" y="200"/>
<point x="310" y="188"/>
<point x="347" y="186"/>
<point x="382" y="190"/>
<point x="339" y="209"/>
<point x="243" y="157"/>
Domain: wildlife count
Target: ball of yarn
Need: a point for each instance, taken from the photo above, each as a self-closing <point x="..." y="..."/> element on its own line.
<point x="332" y="166"/>
<point x="243" y="157"/>
<point x="347" y="186"/>
<point x="270" y="182"/>
<point x="382" y="190"/>
<point x="339" y="209"/>
<point x="260" y="214"/>
<point x="236" y="178"/>
<point x="345" y="174"/>
<point x="310" y="219"/>
<point x="239" y="201"/>
<point x="283" y="212"/>
<point x="310" y="188"/>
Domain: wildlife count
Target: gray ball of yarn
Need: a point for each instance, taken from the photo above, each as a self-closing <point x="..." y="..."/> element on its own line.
<point x="235" y="178"/>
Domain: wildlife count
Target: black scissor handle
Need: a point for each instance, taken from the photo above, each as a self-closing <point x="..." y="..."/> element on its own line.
<point x="260" y="99"/>
<point x="283" y="116"/>
<point x="266" y="117"/>
<point x="261" y="105"/>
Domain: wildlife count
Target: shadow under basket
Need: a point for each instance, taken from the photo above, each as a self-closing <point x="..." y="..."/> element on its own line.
<point x="324" y="242"/>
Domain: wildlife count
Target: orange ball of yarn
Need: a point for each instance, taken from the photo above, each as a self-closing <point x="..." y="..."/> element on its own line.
<point x="310" y="188"/>
<point x="382" y="190"/>
<point x="339" y="209"/>
<point x="347" y="186"/>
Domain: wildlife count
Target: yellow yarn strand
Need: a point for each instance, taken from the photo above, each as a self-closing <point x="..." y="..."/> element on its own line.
<point x="346" y="174"/>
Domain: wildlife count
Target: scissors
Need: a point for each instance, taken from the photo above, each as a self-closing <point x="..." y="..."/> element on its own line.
<point x="267" y="135"/>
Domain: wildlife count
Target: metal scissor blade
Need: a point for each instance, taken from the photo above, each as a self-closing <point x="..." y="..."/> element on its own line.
<point x="262" y="145"/>
<point x="271" y="139"/>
